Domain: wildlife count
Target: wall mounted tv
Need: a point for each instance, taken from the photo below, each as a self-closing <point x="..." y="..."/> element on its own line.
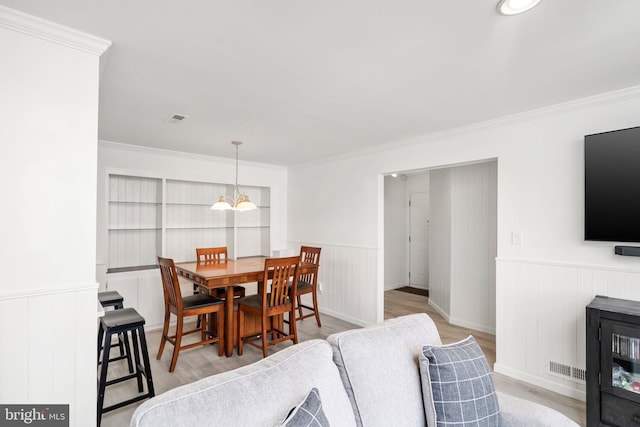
<point x="612" y="186"/>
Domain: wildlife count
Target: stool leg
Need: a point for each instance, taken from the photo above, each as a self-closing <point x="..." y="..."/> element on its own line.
<point x="128" y="351"/>
<point x="100" y="338"/>
<point x="145" y="359"/>
<point x="103" y="375"/>
<point x="136" y="354"/>
<point x="121" y="344"/>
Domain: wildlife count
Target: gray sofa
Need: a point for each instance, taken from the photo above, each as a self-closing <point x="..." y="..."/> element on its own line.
<point x="365" y="377"/>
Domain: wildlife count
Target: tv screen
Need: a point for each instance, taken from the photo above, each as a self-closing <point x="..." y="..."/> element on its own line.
<point x="612" y="186"/>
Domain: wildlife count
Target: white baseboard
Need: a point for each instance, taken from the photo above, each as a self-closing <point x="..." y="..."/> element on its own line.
<point x="472" y="325"/>
<point x="395" y="286"/>
<point x="540" y="382"/>
<point x="440" y="311"/>
<point x="341" y="316"/>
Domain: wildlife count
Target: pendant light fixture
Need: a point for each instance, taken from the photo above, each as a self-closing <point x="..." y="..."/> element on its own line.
<point x="514" y="7"/>
<point x="236" y="201"/>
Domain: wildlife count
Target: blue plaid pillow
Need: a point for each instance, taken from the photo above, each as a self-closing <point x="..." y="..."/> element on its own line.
<point x="309" y="413"/>
<point x="457" y="387"/>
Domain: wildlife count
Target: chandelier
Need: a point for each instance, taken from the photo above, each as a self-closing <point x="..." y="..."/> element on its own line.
<point x="236" y="201"/>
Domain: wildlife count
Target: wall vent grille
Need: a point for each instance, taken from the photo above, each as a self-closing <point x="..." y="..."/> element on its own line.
<point x="579" y="374"/>
<point x="560" y="369"/>
<point x="567" y="372"/>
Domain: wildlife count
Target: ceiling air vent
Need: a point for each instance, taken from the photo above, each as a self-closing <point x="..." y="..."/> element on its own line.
<point x="177" y="118"/>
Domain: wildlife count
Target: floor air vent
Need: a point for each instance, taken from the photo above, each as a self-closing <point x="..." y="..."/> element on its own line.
<point x="567" y="372"/>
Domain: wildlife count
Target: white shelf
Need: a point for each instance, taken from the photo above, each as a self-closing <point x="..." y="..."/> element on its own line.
<point x="156" y="216"/>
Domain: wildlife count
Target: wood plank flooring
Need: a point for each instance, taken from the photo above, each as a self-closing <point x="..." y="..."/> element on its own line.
<point x="201" y="362"/>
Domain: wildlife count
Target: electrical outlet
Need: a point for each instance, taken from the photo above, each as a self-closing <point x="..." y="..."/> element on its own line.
<point x="319" y="287"/>
<point x="516" y="238"/>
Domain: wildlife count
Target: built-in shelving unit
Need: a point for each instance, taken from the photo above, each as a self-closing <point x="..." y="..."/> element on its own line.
<point x="135" y="221"/>
<point x="158" y="216"/>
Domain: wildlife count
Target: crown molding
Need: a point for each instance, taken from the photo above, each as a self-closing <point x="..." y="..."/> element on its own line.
<point x="46" y="30"/>
<point x="620" y="95"/>
<point x="120" y="146"/>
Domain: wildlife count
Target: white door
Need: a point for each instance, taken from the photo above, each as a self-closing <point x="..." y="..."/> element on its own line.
<point x="419" y="240"/>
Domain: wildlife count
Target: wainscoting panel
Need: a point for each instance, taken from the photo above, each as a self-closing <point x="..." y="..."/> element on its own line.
<point x="142" y="290"/>
<point x="541" y="316"/>
<point x="55" y="332"/>
<point x="348" y="279"/>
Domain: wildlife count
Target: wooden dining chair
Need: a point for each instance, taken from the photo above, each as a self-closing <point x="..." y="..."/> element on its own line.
<point x="199" y="305"/>
<point x="308" y="283"/>
<point x="270" y="304"/>
<point x="205" y="255"/>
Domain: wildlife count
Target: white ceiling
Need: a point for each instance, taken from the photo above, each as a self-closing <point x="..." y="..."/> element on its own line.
<point x="300" y="80"/>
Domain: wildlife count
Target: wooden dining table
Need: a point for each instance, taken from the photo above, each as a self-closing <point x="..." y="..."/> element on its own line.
<point x="226" y="274"/>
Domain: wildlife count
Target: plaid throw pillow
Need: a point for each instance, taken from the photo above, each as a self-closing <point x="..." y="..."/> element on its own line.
<point x="309" y="413"/>
<point x="457" y="387"/>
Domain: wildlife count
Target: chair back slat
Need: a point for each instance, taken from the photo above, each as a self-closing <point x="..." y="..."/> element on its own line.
<point x="170" y="283"/>
<point x="281" y="271"/>
<point x="310" y="255"/>
<point x="212" y="254"/>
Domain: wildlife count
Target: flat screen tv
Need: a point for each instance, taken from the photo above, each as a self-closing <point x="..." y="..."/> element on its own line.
<point x="612" y="186"/>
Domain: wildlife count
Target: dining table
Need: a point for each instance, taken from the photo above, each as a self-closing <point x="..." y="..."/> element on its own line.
<point x="227" y="274"/>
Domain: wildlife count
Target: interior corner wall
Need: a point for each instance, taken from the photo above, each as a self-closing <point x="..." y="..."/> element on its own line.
<point x="48" y="304"/>
<point x="473" y="246"/>
<point x="440" y="241"/>
<point x="395" y="235"/>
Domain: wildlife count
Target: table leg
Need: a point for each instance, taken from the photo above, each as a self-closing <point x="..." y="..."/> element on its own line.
<point x="228" y="322"/>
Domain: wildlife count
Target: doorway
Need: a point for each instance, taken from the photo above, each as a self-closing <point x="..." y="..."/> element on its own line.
<point x="460" y="240"/>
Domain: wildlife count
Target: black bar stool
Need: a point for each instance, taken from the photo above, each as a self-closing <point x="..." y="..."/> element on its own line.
<point x="123" y="321"/>
<point x="111" y="299"/>
<point x="115" y="300"/>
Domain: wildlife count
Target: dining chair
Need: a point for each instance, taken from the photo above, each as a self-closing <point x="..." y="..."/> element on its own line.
<point x="308" y="283"/>
<point x="270" y="304"/>
<point x="219" y="254"/>
<point x="199" y="305"/>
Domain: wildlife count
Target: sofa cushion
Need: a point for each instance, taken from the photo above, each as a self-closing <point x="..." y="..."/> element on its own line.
<point x="379" y="368"/>
<point x="260" y="394"/>
<point x="457" y="387"/>
<point x="519" y="412"/>
<point x="309" y="413"/>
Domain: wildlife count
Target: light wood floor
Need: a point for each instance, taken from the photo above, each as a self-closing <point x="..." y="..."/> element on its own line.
<point x="201" y="362"/>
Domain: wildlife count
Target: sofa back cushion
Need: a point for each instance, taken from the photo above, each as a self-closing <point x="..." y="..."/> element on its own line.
<point x="260" y="394"/>
<point x="380" y="371"/>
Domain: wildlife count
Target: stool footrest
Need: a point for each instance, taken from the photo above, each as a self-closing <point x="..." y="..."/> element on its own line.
<point x="121" y="379"/>
<point x="126" y="402"/>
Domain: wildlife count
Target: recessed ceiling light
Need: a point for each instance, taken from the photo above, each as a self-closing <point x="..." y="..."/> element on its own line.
<point x="513" y="7"/>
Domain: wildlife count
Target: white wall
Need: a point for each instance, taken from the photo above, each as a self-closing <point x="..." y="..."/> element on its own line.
<point x="540" y="194"/>
<point x="440" y="241"/>
<point x="395" y="233"/>
<point x="473" y="246"/>
<point x="49" y="105"/>
<point x="143" y="289"/>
